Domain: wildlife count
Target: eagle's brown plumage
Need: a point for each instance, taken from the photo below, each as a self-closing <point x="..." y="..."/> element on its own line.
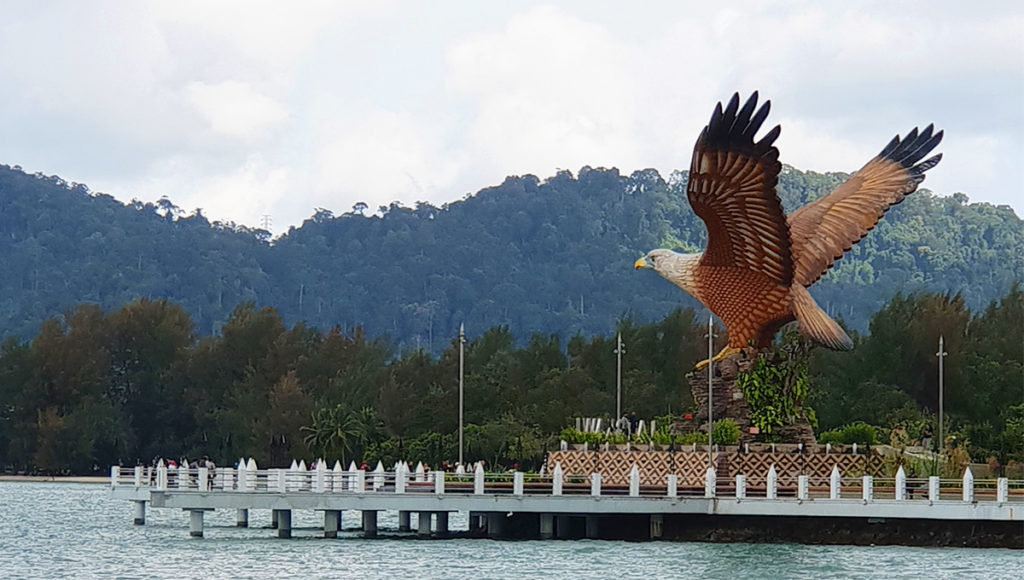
<point x="759" y="262"/>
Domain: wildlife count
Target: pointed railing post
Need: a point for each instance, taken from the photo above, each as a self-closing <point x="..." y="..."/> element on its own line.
<point x="242" y="473"/>
<point x="772" y="483"/>
<point x="360" y="476"/>
<point x="337" y="478"/>
<point x="634" y="481"/>
<point x="115" y="471"/>
<point x="439" y="482"/>
<point x="161" y="475"/>
<point x="710" y="479"/>
<point x="203" y="479"/>
<point x="226" y="476"/>
<point x="138" y="476"/>
<point x="517" y="483"/>
<point x="968" y="485"/>
<point x="901" y="484"/>
<point x="802" y="486"/>
<point x="556" y="479"/>
<point x="253" y="470"/>
<point x="401" y="476"/>
<point x="595" y="484"/>
<point x="301" y="476"/>
<point x="933" y="488"/>
<point x="320" y="477"/>
<point x="478" y="479"/>
<point x="673" y="485"/>
<point x="421" y="473"/>
<point x="741" y="486"/>
<point x="835" y="483"/>
<point x="291" y="480"/>
<point x="1002" y="490"/>
<point x="868" y="492"/>
<point x="378" y="477"/>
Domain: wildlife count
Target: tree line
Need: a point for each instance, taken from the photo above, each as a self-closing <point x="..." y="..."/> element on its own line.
<point x="94" y="388"/>
<point x="549" y="256"/>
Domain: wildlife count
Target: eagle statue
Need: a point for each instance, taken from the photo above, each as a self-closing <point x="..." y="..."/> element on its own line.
<point x="759" y="262"/>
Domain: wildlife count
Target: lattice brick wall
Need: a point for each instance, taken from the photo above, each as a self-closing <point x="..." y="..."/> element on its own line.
<point x="654" y="466"/>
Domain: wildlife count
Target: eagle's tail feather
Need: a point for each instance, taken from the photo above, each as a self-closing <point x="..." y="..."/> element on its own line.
<point x="815" y="324"/>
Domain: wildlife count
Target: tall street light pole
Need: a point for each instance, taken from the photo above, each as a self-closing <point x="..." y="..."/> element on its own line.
<point x="619" y="349"/>
<point x="941" y="354"/>
<point x="462" y="345"/>
<point x="711" y="373"/>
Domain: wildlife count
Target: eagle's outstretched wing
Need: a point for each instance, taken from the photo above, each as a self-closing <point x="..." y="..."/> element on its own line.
<point x="732" y="188"/>
<point x="823" y="230"/>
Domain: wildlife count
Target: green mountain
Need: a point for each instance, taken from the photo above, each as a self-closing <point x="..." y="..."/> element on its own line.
<point x="549" y="256"/>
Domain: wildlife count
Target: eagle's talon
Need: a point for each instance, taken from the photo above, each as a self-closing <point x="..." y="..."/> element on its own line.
<point x="722" y="355"/>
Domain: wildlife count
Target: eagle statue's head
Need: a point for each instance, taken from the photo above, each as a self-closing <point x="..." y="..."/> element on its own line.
<point x="679" y="269"/>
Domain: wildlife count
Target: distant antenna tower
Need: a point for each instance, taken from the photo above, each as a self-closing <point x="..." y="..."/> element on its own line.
<point x="266" y="221"/>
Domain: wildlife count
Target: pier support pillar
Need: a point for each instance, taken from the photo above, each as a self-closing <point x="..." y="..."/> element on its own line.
<point x="476" y="521"/>
<point x="656" y="523"/>
<point x="495" y="524"/>
<point x="369" y="524"/>
<point x="242" y="518"/>
<point x="423" y="529"/>
<point x="273" y="519"/>
<point x="547" y="526"/>
<point x="592" y="528"/>
<point x="442" y="524"/>
<point x="332" y="523"/>
<point x="140" y="513"/>
<point x="195" y="523"/>
<point x="403" y="521"/>
<point x="284" y="523"/>
<point x="562" y="526"/>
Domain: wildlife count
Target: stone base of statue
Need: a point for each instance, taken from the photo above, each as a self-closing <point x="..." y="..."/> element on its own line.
<point x="730" y="403"/>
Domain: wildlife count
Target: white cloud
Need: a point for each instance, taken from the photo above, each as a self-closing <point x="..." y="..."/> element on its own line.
<point x="549" y="90"/>
<point x="382" y="157"/>
<point x="234" y="109"/>
<point x="324" y="104"/>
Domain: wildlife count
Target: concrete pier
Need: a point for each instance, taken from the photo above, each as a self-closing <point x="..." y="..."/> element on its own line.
<point x="369" y="524"/>
<point x="547" y="526"/>
<point x="562" y="527"/>
<point x="853" y="510"/>
<point x="404" y="518"/>
<point x="242" y="518"/>
<point x="656" y="526"/>
<point x="140" y="513"/>
<point x="332" y="523"/>
<point x="195" y="523"/>
<point x="284" y="523"/>
<point x="495" y="524"/>
<point x="423" y="529"/>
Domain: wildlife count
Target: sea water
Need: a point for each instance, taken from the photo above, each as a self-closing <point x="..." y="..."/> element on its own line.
<point x="64" y="530"/>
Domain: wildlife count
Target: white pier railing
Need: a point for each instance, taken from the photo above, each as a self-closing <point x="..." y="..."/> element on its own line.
<point x="299" y="479"/>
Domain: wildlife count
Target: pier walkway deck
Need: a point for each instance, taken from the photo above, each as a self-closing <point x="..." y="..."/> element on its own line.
<point x="492" y="499"/>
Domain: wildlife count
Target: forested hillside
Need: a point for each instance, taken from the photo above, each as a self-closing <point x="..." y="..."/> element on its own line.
<point x="550" y="256"/>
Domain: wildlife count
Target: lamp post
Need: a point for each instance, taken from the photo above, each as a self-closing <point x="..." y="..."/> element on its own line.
<point x="619" y="349"/>
<point x="941" y="354"/>
<point x="462" y="344"/>
<point x="711" y="373"/>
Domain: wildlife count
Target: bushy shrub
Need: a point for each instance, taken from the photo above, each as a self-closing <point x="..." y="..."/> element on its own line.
<point x="725" y="432"/>
<point x="859" y="433"/>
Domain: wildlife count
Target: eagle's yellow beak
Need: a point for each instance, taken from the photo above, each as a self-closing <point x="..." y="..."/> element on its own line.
<point x="641" y="263"/>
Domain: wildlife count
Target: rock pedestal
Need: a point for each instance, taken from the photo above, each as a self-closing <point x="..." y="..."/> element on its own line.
<point x="729" y="402"/>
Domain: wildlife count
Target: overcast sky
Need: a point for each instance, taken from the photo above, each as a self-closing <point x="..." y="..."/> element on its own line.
<point x="266" y="107"/>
